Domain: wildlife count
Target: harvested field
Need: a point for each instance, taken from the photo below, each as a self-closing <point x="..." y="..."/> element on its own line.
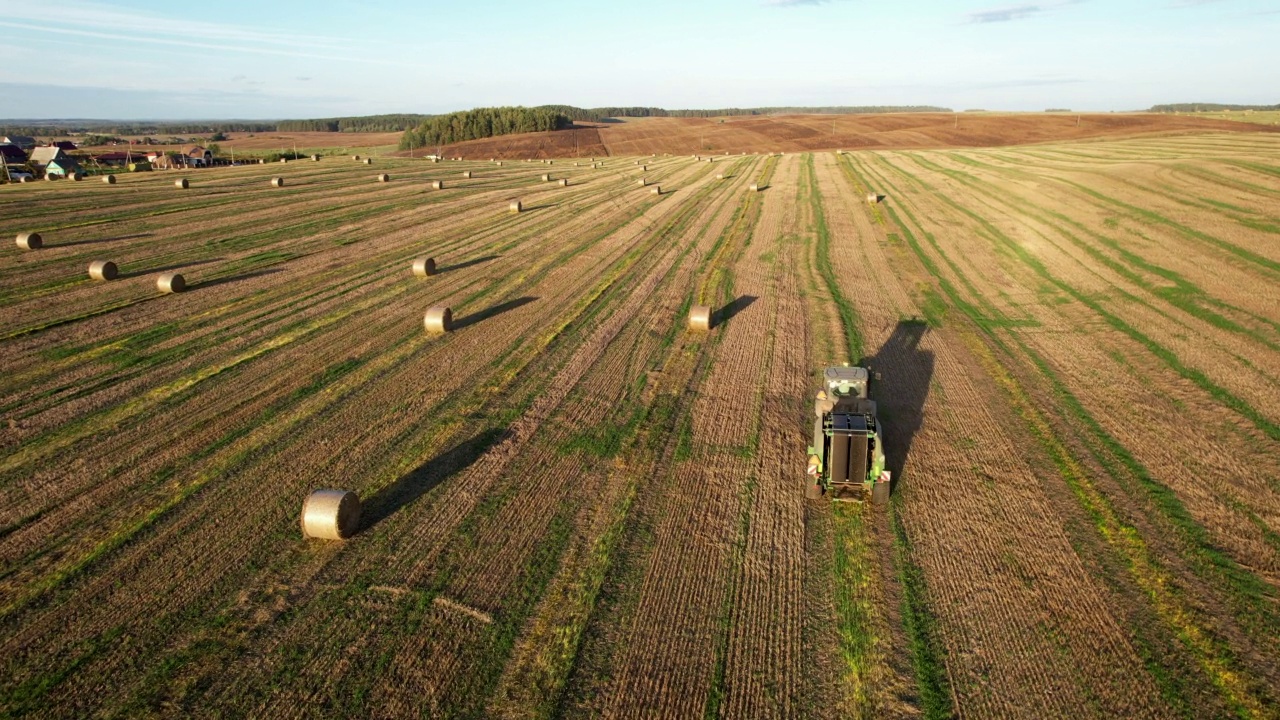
<point x="571" y="505"/>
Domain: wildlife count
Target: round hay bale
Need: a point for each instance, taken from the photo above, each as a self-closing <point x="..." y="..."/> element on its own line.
<point x="262" y="161"/>
<point x="700" y="317"/>
<point x="24" y="179"/>
<point x="719" y="176"/>
<point x="643" y="182"/>
<point x="439" y="319"/>
<point x="437" y="184"/>
<point x="656" y="190"/>
<point x="564" y="182"/>
<point x="30" y="241"/>
<point x="754" y="187"/>
<point x="873" y="198"/>
<point x="424" y="267"/>
<point x="171" y="283"/>
<point x="277" y="182"/>
<point x="103" y="270"/>
<point x="109" y="179"/>
<point x="76" y="176"/>
<point x="466" y="174"/>
<point x="284" y="160"/>
<point x="368" y="161"/>
<point x="331" y="514"/>
<point x="515" y="206"/>
<point x="711" y="159"/>
<point x="181" y="184"/>
<point x="499" y="163"/>
<point x="356" y="158"/>
<point x="384" y="178"/>
<point x="50" y="177"/>
<point x="644" y="168"/>
<point x="546" y="178"/>
<point x="315" y="158"/>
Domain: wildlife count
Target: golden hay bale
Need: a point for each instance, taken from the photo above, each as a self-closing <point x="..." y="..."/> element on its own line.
<point x="499" y="163"/>
<point x="284" y="160"/>
<point x="719" y="176"/>
<point x="700" y="317"/>
<point x="368" y="161"/>
<point x="873" y="198"/>
<point x="181" y="184"/>
<point x="546" y="178"/>
<point x="356" y="158"/>
<point x="515" y="206"/>
<point x="109" y="179"/>
<point x="644" y="168"/>
<point x="171" y="283"/>
<point x="277" y="182"/>
<point x="439" y="319"/>
<point x="315" y="158"/>
<point x="30" y="241"/>
<point x="437" y="184"/>
<point x="564" y="182"/>
<point x="50" y="177"/>
<point x="466" y="174"/>
<point x="754" y="187"/>
<point x="424" y="267"/>
<point x="384" y="178"/>
<point x="331" y="514"/>
<point x="643" y="182"/>
<point x="262" y="161"/>
<point x="656" y="190"/>
<point x="76" y="176"/>
<point x="103" y="270"/>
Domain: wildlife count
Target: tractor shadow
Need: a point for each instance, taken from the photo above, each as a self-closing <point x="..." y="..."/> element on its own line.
<point x="490" y="312"/>
<point x="466" y="263"/>
<point x="906" y="371"/>
<point x="423" y="479"/>
<point x="723" y="314"/>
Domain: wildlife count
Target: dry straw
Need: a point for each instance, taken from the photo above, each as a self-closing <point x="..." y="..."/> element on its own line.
<point x="277" y="182"/>
<point x="719" y="176"/>
<point x="109" y="179"/>
<point x="384" y="178"/>
<point x="700" y="317"/>
<point x="30" y="241"/>
<point x="284" y="160"/>
<point x="181" y="184"/>
<point x="76" y="176"/>
<point x="331" y="514"/>
<point x="515" y="206"/>
<point x="356" y="158"/>
<point x="643" y="182"/>
<point x="424" y="267"/>
<point x="656" y="190"/>
<point x="546" y="178"/>
<point x="368" y="161"/>
<point x="171" y="283"/>
<point x="437" y="184"/>
<point x="564" y="182"/>
<point x="754" y="187"/>
<point x="873" y="198"/>
<point x="466" y="174"/>
<point x="315" y="158"/>
<point x="103" y="270"/>
<point x="439" y="319"/>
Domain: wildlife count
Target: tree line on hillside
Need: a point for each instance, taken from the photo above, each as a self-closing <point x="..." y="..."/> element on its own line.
<point x="602" y="113"/>
<point x="1208" y="107"/>
<point x="483" y="123"/>
<point x="367" y="123"/>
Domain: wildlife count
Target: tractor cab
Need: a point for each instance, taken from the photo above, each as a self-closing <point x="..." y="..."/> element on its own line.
<point x="846" y="459"/>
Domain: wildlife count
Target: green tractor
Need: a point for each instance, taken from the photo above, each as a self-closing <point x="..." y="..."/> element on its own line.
<point x="846" y="460"/>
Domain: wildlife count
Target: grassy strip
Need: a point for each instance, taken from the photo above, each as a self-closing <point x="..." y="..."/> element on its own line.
<point x="848" y="315"/>
<point x="855" y="597"/>
<point x="927" y="650"/>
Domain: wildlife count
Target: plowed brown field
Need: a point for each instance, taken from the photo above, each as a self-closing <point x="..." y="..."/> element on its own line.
<point x="575" y="507"/>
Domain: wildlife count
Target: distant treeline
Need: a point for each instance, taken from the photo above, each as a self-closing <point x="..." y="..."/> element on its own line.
<point x="483" y="123"/>
<point x="1207" y="107"/>
<point x="368" y="123"/>
<point x="111" y="127"/>
<point x="601" y="113"/>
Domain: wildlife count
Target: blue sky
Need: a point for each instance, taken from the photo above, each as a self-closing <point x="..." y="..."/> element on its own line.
<point x="317" y="58"/>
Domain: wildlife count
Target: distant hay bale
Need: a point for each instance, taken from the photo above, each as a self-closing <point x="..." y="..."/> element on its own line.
<point x="439" y="319"/>
<point x="356" y="158"/>
<point x="499" y="163"/>
<point x="466" y="174"/>
<point x="171" y="283"/>
<point x="76" y="176"/>
<point x="719" y="176"/>
<point x="490" y="159"/>
<point x="384" y="178"/>
<point x="643" y="182"/>
<point x="700" y="317"/>
<point x="551" y="162"/>
<point x="516" y="206"/>
<point x="437" y="184"/>
<point x="30" y="241"/>
<point x="637" y="162"/>
<point x="753" y="187"/>
<point x="424" y="267"/>
<point x="564" y="182"/>
<point x="262" y="161"/>
<point x="103" y="270"/>
<point x="284" y="160"/>
<point x="277" y="182"/>
<point x="711" y="159"/>
<point x="368" y="161"/>
<point x="331" y="514"/>
<point x="644" y="168"/>
<point x="315" y="158"/>
<point x="50" y="177"/>
<point x="181" y="184"/>
<point x="109" y="179"/>
<point x="546" y="177"/>
<point x="873" y="198"/>
<point x="657" y="190"/>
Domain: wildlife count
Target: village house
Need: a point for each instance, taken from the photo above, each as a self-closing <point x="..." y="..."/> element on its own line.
<point x="13" y="154"/>
<point x="53" y="161"/>
<point x="22" y="141"/>
<point x="198" y="156"/>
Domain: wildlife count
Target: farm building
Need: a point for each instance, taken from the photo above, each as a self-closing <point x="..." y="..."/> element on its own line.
<point x="12" y="153"/>
<point x="64" y="144"/>
<point x="166" y="160"/>
<point x="112" y="159"/>
<point x="22" y="141"/>
<point x="198" y="156"/>
<point x="53" y="161"/>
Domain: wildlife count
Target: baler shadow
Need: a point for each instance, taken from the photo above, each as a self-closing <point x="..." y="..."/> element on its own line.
<point x="723" y="314"/>
<point x="906" y="372"/>
<point x="494" y="311"/>
<point x="420" y="481"/>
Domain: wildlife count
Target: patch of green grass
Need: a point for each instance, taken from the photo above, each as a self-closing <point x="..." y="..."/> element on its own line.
<point x="927" y="651"/>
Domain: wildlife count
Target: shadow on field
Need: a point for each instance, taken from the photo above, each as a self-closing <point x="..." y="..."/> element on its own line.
<point x="420" y="481"/>
<point x="467" y="263"/>
<point x="723" y="314"/>
<point x="494" y="311"/>
<point x="167" y="268"/>
<point x="235" y="278"/>
<point x="905" y="371"/>
<point x="101" y="240"/>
